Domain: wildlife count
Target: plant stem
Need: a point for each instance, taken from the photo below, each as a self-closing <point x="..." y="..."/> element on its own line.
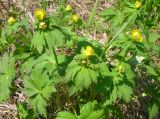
<point x="91" y="18"/>
<point x="55" y="56"/>
<point x="58" y="98"/>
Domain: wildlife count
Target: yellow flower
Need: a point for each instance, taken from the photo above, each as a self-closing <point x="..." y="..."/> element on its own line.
<point x="88" y="51"/>
<point x="11" y="20"/>
<point x="136" y="35"/>
<point x="39" y="14"/>
<point x="68" y="8"/>
<point x="138" y="4"/>
<point x="42" y="25"/>
<point x="121" y="69"/>
<point x="75" y="18"/>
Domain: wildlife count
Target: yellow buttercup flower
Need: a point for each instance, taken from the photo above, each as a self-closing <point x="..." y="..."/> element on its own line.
<point x="138" y="4"/>
<point x="88" y="51"/>
<point x="11" y="20"/>
<point x="68" y="8"/>
<point x="39" y="14"/>
<point x="42" y="25"/>
<point x="136" y="35"/>
<point x="75" y="18"/>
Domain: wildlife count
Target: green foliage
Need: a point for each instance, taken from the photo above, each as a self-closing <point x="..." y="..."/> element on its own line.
<point x="7" y="74"/>
<point x="66" y="115"/>
<point x="153" y="110"/>
<point x="50" y="39"/>
<point x="24" y="113"/>
<point x="62" y="68"/>
<point x="90" y="111"/>
<point x="38" y="41"/>
<point x="122" y="86"/>
<point x="45" y="61"/>
<point x="38" y="87"/>
<point x="81" y="75"/>
<point x="87" y="111"/>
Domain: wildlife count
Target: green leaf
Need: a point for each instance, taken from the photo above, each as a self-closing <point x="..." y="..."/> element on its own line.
<point x="81" y="76"/>
<point x="153" y="110"/>
<point x="54" y="38"/>
<point x="107" y="13"/>
<point x="122" y="42"/>
<point x="151" y="70"/>
<point x="91" y="111"/>
<point x="66" y="115"/>
<point x="24" y="113"/>
<point x="38" y="41"/>
<point x="7" y="74"/>
<point x="27" y="66"/>
<point x="47" y="61"/>
<point x="153" y="37"/>
<point x="125" y="92"/>
<point x="104" y="70"/>
<point x="122" y="87"/>
<point x="38" y="88"/>
<point x="130" y="75"/>
<point x="72" y="70"/>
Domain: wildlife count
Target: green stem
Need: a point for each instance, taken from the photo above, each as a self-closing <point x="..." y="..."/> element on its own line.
<point x="55" y="56"/>
<point x="58" y="98"/>
<point x="91" y="18"/>
<point x="123" y="27"/>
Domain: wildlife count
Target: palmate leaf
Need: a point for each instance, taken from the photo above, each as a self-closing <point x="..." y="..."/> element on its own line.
<point x="38" y="88"/>
<point x="123" y="42"/>
<point x="122" y="87"/>
<point x="7" y="74"/>
<point x="91" y="110"/>
<point x="54" y="38"/>
<point x="82" y="77"/>
<point x="38" y="41"/>
<point x="51" y="38"/>
<point x="121" y="91"/>
<point x="125" y="92"/>
<point x="45" y="61"/>
<point x="66" y="115"/>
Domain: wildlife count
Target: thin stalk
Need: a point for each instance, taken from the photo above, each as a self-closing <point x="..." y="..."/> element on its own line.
<point x="123" y="27"/>
<point x="55" y="56"/>
<point x="58" y="98"/>
<point x="91" y="18"/>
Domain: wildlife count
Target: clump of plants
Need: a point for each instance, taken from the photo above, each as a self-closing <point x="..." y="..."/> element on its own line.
<point x="65" y="75"/>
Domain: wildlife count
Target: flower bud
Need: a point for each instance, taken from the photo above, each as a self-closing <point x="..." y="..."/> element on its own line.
<point x="75" y="18"/>
<point x="42" y="25"/>
<point x="11" y="20"/>
<point x="121" y="69"/>
<point x="136" y="35"/>
<point x="68" y="8"/>
<point x="138" y="4"/>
